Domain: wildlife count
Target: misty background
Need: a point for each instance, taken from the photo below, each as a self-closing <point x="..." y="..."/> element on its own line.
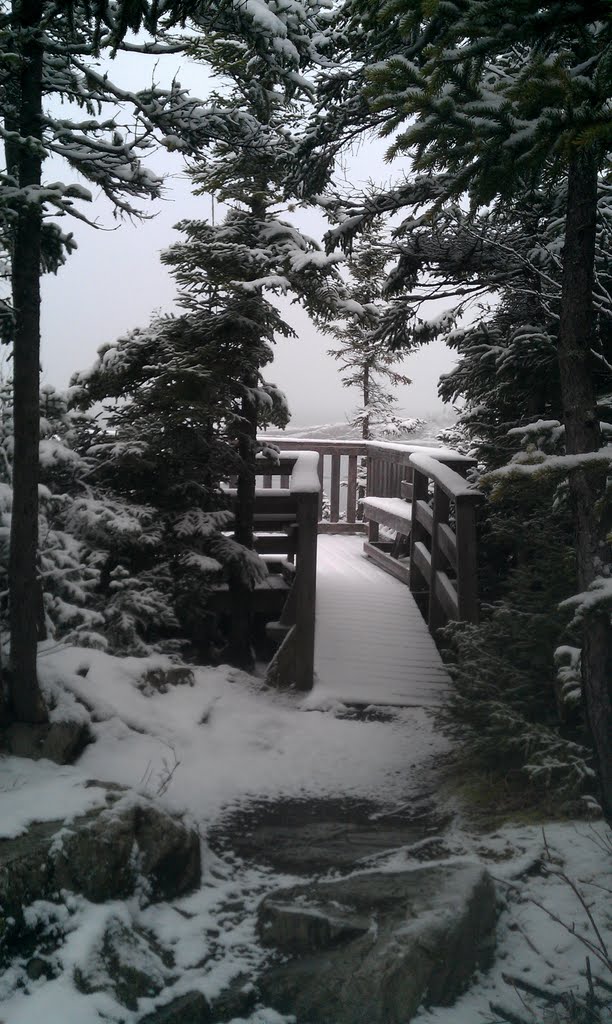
<point x="115" y="282"/>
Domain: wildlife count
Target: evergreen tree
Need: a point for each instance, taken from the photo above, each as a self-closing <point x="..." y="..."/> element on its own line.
<point x="492" y="103"/>
<point x="49" y="51"/>
<point x="225" y="272"/>
<point x="366" y="362"/>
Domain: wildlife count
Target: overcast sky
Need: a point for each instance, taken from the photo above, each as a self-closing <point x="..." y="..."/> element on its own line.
<point x="115" y="282"/>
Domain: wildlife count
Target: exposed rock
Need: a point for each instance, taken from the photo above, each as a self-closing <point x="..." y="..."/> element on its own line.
<point x="239" y="999"/>
<point x="106" y="857"/>
<point x="192" y="1008"/>
<point x="125" y="964"/>
<point x="37" y="967"/>
<point x="61" y="742"/>
<point x="160" y="680"/>
<point x="305" y="837"/>
<point x="103" y="855"/>
<point x="371" y="948"/>
<point x="26" y="871"/>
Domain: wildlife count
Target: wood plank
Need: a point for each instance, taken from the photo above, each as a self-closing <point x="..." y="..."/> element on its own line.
<point x="273" y="521"/>
<point x="268" y="598"/>
<point x="334" y="497"/>
<point x="274" y="504"/>
<point x="372" y="645"/>
<point x="314" y="444"/>
<point x="351" y="490"/>
<point x="305" y="588"/>
<point x="424" y="514"/>
<point x="384" y="454"/>
<point x="274" y="544"/>
<point x="422" y="560"/>
<point x="446" y="594"/>
<point x="391" y="565"/>
<point x="467" y="566"/>
<point x="342" y="527"/>
<point x="441" y="511"/>
<point x="398" y="520"/>
<point x="447" y="543"/>
<point x="271" y="468"/>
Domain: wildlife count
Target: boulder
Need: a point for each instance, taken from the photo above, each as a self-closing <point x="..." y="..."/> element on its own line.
<point x="126" y="964"/>
<point x="107" y="857"/>
<point x="61" y="742"/>
<point x="107" y="854"/>
<point x="160" y="680"/>
<point x="192" y="1008"/>
<point x="371" y="948"/>
<point x="238" y="1000"/>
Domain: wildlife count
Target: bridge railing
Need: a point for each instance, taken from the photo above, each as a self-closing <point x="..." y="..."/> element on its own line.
<point x="294" y="509"/>
<point x="348" y="470"/>
<point x="443" y="545"/>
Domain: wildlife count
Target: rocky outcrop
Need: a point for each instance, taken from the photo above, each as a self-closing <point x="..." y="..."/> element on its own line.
<point x="161" y="680"/>
<point x="126" y="964"/>
<point x="236" y="1001"/>
<point x="61" y="742"/>
<point x="371" y="948"/>
<point x="191" y="1008"/>
<point x="124" y="848"/>
<point x="131" y="846"/>
<point x="307" y="837"/>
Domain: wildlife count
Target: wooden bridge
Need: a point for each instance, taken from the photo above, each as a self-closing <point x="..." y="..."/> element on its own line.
<point x="359" y="613"/>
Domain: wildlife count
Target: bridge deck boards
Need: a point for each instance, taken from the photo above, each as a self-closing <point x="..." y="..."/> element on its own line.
<point x="372" y="645"/>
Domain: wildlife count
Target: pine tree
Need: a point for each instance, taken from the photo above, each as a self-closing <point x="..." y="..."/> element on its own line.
<point x="51" y="51"/>
<point x="366" y="362"/>
<point x="491" y="103"/>
<point x="225" y="271"/>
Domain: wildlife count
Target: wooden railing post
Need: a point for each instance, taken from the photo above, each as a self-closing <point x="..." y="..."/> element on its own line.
<point x="334" y="496"/>
<point x="467" y="559"/>
<point x="351" y="490"/>
<point x="306" y="588"/>
<point x="441" y="510"/>
<point x="420" y="491"/>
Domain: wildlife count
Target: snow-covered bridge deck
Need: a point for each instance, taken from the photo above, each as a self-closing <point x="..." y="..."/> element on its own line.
<point x="372" y="645"/>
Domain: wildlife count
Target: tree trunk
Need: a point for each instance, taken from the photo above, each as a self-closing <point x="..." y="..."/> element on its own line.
<point x="240" y="651"/>
<point x="365" y="424"/>
<point x="26" y="700"/>
<point x="582" y="431"/>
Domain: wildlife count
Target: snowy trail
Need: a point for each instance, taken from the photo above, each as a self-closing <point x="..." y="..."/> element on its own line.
<point x="372" y="645"/>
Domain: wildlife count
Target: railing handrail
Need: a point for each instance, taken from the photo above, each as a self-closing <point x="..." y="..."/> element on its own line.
<point x="361" y="447"/>
<point x="442" y="454"/>
<point x="453" y="485"/>
<point x="443" y="548"/>
<point x="303" y="469"/>
<point x="310" y="443"/>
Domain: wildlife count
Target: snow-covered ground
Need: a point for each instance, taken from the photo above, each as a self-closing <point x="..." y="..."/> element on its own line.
<point x="225" y="742"/>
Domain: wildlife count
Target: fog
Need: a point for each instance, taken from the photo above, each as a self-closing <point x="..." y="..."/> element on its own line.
<point x="115" y="282"/>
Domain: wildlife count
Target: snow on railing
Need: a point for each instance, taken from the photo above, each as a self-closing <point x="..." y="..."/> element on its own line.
<point x="350" y="470"/>
<point x="443" y="543"/>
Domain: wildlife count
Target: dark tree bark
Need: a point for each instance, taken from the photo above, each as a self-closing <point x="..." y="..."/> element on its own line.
<point x="583" y="434"/>
<point x="240" y="651"/>
<point x="26" y="701"/>
<point x="365" y="426"/>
